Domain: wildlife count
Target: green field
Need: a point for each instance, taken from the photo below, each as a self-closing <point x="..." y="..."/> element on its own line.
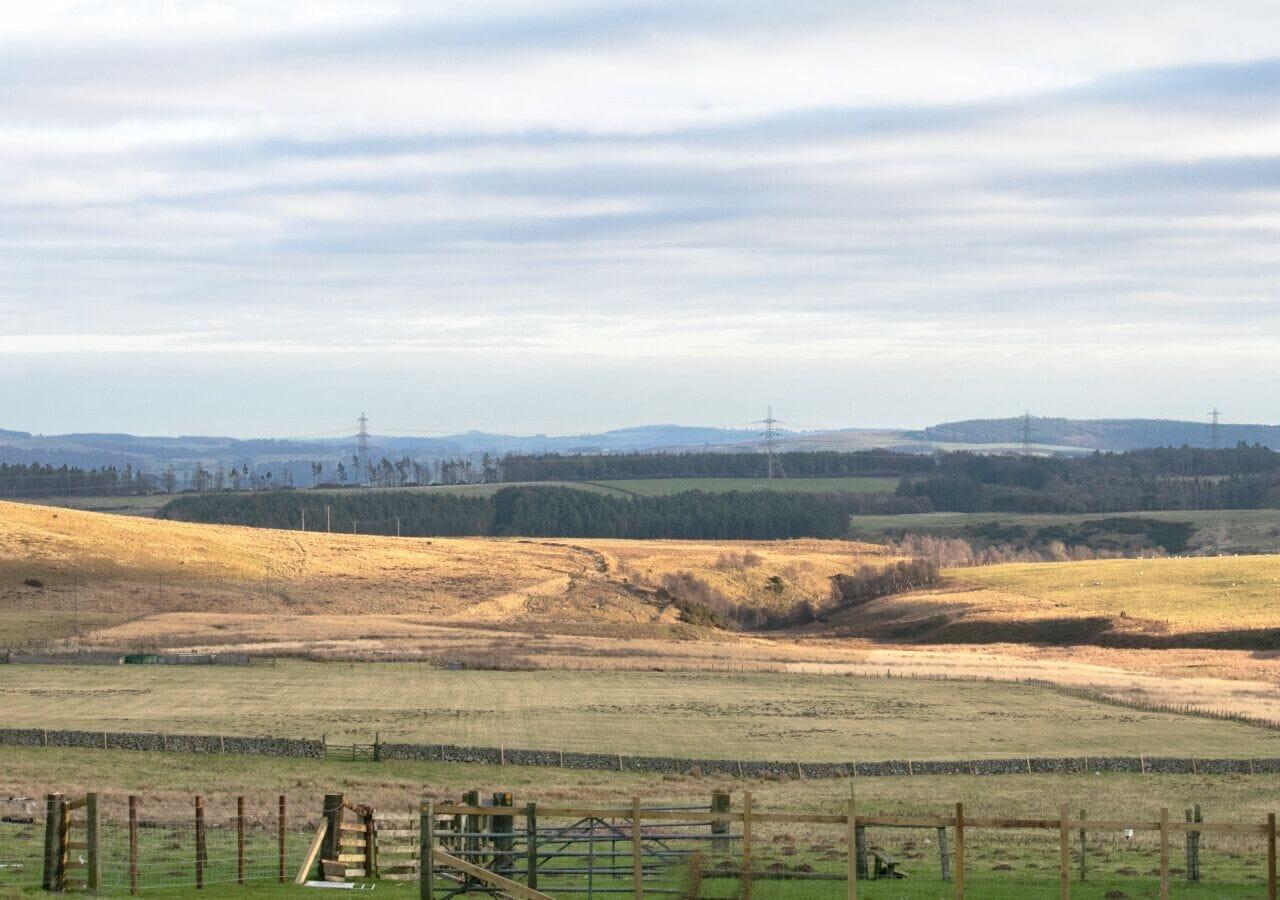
<point x="1000" y="864"/>
<point x="727" y="716"/>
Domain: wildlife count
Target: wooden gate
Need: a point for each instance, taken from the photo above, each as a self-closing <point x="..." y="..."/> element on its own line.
<point x="71" y="843"/>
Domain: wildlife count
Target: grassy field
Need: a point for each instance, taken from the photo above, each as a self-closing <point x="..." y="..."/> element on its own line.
<point x="1001" y="864"/>
<point x="1225" y="530"/>
<point x="135" y="567"/>
<point x="749" y="716"/>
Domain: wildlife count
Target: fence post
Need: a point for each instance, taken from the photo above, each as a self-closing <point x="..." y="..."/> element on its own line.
<point x="199" y="842"/>
<point x="52" y="841"/>
<point x="332" y="845"/>
<point x="944" y="854"/>
<point x="531" y="843"/>
<point x="1271" y="856"/>
<point x="851" y="836"/>
<point x="720" y="801"/>
<point x="93" y="865"/>
<point x="746" y="846"/>
<point x="958" y="876"/>
<point x="1064" y="855"/>
<point x="133" y="845"/>
<point x="239" y="840"/>
<point x="280" y="828"/>
<point x="637" y="862"/>
<point x="504" y="858"/>
<point x="426" y="843"/>
<point x="370" y="845"/>
<point x="1084" y="847"/>
<point x="1164" y="853"/>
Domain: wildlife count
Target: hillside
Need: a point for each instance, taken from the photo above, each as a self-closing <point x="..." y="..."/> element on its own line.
<point x="1097" y="434"/>
<point x="135" y="567"/>
<point x="1224" y="602"/>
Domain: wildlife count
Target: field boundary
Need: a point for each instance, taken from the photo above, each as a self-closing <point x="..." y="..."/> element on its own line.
<point x="618" y="762"/>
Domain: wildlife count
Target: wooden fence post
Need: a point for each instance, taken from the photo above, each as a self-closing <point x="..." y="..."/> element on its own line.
<point x="52" y="841"/>
<point x="239" y="840"/>
<point x="531" y="843"/>
<point x="332" y="845"/>
<point x="280" y="829"/>
<point x="426" y="843"/>
<point x="1271" y="856"/>
<point x="1064" y="855"/>
<point x="720" y="801"/>
<point x="133" y="844"/>
<point x="637" y="861"/>
<point x="944" y="854"/>
<point x="93" y="864"/>
<point x="958" y="875"/>
<point x="199" y="842"/>
<point x="1164" y="853"/>
<point x="851" y="836"/>
<point x="746" y="846"/>
<point x="370" y="845"/>
<point x="1084" y="846"/>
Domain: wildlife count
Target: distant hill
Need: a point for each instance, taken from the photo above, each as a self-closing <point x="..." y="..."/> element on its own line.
<point x="1099" y="434"/>
<point x="294" y="455"/>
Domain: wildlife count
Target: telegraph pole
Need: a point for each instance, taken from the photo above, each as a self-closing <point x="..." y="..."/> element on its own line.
<point x="303" y="510"/>
<point x="327" y="524"/>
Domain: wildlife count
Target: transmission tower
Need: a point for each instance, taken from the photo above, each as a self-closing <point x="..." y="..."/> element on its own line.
<point x="362" y="445"/>
<point x="1215" y="429"/>
<point x="770" y="441"/>
<point x="1026" y="433"/>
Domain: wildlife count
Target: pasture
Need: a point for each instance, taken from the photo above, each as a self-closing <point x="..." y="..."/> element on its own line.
<point x="749" y="716"/>
<point x="1000" y="864"/>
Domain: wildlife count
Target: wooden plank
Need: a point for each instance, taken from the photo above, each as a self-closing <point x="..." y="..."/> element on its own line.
<point x="355" y="873"/>
<point x="851" y="838"/>
<point x="427" y="875"/>
<point x="133" y="844"/>
<point x="1164" y="853"/>
<point x="280" y="829"/>
<point x="958" y="873"/>
<point x="1271" y="856"/>
<point x="351" y="829"/>
<point x="397" y="850"/>
<point x="239" y="840"/>
<point x="94" y="879"/>
<point x="350" y="857"/>
<point x="398" y="832"/>
<point x="313" y="850"/>
<point x="745" y="886"/>
<point x="637" y="864"/>
<point x="1064" y="854"/>
<point x="506" y="884"/>
<point x="73" y="805"/>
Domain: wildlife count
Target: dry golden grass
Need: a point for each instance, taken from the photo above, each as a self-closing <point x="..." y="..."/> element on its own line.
<point x="140" y="567"/>
<point x="1146" y="602"/>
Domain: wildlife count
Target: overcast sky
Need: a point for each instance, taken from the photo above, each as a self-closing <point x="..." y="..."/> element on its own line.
<point x="262" y="217"/>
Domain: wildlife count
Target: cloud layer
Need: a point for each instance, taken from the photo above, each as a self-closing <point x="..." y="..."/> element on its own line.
<point x="864" y="212"/>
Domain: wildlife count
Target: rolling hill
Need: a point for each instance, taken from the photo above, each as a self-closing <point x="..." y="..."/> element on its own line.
<point x="131" y="567"/>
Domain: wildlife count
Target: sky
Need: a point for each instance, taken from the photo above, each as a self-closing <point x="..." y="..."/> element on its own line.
<point x="262" y="218"/>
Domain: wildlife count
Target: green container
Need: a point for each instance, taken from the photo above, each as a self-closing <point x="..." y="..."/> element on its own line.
<point x="142" y="659"/>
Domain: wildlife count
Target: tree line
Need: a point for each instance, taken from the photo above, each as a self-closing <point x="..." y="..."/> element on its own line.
<point x="797" y="464"/>
<point x="532" y="512"/>
<point x="35" y="480"/>
<point x="1243" y="477"/>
